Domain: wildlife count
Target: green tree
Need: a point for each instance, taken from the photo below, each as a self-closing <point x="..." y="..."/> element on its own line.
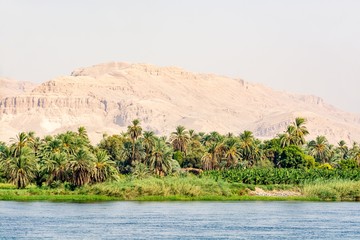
<point x="80" y="168"/>
<point x="299" y="131"/>
<point x="180" y="139"/>
<point x="20" y="141"/>
<point x="148" y="143"/>
<point x="232" y="153"/>
<point x="103" y="167"/>
<point x="249" y="148"/>
<point x="319" y="149"/>
<point x="212" y="156"/>
<point x="114" y="146"/>
<point x="55" y="164"/>
<point x="355" y="152"/>
<point x="20" y="167"/>
<point x="160" y="160"/>
<point x="295" y="133"/>
<point x="292" y="157"/>
<point x="343" y="149"/>
<point x="134" y="132"/>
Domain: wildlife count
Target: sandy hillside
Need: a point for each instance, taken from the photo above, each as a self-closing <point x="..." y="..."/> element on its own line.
<point x="107" y="97"/>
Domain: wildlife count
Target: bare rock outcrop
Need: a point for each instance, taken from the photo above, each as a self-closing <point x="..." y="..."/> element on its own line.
<point x="11" y="87"/>
<point x="107" y="97"/>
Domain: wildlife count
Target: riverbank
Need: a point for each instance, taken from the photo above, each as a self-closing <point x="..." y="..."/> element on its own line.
<point x="189" y="188"/>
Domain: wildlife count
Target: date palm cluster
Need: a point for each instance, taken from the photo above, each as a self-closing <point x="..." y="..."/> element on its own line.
<point x="71" y="159"/>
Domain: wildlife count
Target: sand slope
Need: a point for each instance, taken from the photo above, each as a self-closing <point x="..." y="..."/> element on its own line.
<point x="107" y="97"/>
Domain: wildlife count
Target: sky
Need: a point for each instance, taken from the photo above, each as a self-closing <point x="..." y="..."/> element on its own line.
<point x="303" y="46"/>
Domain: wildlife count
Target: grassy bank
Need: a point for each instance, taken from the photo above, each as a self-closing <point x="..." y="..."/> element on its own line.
<point x="334" y="190"/>
<point x="188" y="188"/>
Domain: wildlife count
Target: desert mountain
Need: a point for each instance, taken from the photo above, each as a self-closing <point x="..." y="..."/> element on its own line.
<point x="12" y="88"/>
<point x="107" y="97"/>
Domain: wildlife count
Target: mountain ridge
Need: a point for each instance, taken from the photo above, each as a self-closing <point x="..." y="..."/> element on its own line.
<point x="107" y="97"/>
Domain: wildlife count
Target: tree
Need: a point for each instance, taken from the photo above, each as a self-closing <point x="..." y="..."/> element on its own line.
<point x="113" y="145"/>
<point x="21" y="140"/>
<point x="299" y="131"/>
<point x="80" y="168"/>
<point x="344" y="150"/>
<point x="55" y="164"/>
<point x="134" y="132"/>
<point x="319" y="149"/>
<point x="82" y="132"/>
<point x="180" y="139"/>
<point x="20" y="167"/>
<point x="286" y="139"/>
<point x="148" y="142"/>
<point x="232" y="154"/>
<point x="103" y="167"/>
<point x="294" y="134"/>
<point x="249" y="150"/>
<point x="355" y="152"/>
<point x="211" y="157"/>
<point x="160" y="160"/>
<point x="292" y="157"/>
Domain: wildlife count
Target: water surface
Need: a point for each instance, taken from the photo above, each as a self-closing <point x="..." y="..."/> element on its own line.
<point x="180" y="220"/>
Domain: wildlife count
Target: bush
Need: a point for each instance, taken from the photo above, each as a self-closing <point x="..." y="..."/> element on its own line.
<point x="266" y="176"/>
<point x="348" y="164"/>
<point x="325" y="166"/>
<point x="292" y="157"/>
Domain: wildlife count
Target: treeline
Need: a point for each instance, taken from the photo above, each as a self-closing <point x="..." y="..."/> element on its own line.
<point x="70" y="158"/>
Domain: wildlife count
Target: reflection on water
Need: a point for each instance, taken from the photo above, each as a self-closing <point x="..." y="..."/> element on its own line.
<point x="180" y="220"/>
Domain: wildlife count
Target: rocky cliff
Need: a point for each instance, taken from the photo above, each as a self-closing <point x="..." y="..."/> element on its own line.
<point x="107" y="97"/>
<point x="11" y="87"/>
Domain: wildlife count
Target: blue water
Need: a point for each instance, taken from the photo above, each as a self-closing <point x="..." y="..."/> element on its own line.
<point x="179" y="220"/>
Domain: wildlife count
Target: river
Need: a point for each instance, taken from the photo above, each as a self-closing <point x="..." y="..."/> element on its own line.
<point x="180" y="220"/>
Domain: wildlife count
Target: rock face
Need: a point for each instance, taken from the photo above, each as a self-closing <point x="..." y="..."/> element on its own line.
<point x="11" y="87"/>
<point x="107" y="97"/>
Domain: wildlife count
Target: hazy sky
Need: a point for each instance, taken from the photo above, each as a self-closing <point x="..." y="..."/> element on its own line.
<point x="299" y="46"/>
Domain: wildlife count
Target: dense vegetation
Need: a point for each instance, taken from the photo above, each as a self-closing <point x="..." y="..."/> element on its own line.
<point x="270" y="176"/>
<point x="70" y="160"/>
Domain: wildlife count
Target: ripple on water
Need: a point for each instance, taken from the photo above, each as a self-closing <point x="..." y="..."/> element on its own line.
<point x="180" y="220"/>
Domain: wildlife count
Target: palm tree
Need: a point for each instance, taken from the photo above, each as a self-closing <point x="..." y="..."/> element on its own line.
<point x="104" y="168"/>
<point x="319" y="149"/>
<point x="247" y="145"/>
<point x="211" y="157"/>
<point x="68" y="142"/>
<point x="299" y="131"/>
<point x="344" y="150"/>
<point x="148" y="142"/>
<point x="55" y="165"/>
<point x="51" y="147"/>
<point x="21" y="140"/>
<point x="180" y="139"/>
<point x="80" y="167"/>
<point x="232" y="154"/>
<point x="134" y="132"/>
<point x="250" y="148"/>
<point x="5" y="155"/>
<point x="82" y="132"/>
<point x="210" y="138"/>
<point x="355" y="152"/>
<point x="160" y="160"/>
<point x="193" y="135"/>
<point x="20" y="167"/>
<point x="286" y="139"/>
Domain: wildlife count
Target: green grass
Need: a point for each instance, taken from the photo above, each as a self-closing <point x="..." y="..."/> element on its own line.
<point x="228" y="198"/>
<point x="189" y="188"/>
<point x="169" y="188"/>
<point x="335" y="190"/>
